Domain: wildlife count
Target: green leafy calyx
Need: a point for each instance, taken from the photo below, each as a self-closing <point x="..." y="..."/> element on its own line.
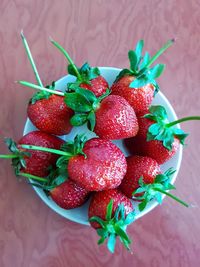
<point x="114" y="226"/>
<point x="18" y="162"/>
<point x="84" y="103"/>
<point x="42" y="94"/>
<point x="140" y="66"/>
<point x="161" y="130"/>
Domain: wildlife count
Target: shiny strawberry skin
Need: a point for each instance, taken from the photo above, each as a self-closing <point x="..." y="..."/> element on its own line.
<point x="98" y="86"/>
<point x="138" y="166"/>
<point x="69" y="195"/>
<point x="100" y="201"/>
<point x="139" y="98"/>
<point x="104" y="167"/>
<point x="51" y="115"/>
<point x="153" y="148"/>
<point x="115" y="119"/>
<point x="39" y="162"/>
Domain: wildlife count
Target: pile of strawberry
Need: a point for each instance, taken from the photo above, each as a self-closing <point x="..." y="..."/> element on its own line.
<point x="74" y="171"/>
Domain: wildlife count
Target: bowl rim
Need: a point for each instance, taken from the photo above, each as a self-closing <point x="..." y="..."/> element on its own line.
<point x="151" y="205"/>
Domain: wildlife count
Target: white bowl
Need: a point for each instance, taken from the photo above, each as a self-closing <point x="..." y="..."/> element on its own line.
<point x="79" y="215"/>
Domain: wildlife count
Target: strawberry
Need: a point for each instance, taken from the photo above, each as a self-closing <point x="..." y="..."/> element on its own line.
<point x="138" y="166"/>
<point x="87" y="77"/>
<point x="158" y="138"/>
<point x="103" y="168"/>
<point x="110" y="212"/>
<point x="145" y="182"/>
<point x="95" y="165"/>
<point x="47" y="111"/>
<point x="35" y="162"/>
<point x="111" y="117"/>
<point x="137" y="84"/>
<point x="69" y="195"/>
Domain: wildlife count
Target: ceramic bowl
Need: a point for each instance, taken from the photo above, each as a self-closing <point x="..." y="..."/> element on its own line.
<point x="79" y="215"/>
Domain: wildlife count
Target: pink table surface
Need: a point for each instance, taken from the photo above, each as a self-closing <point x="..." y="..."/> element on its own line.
<point x="31" y="235"/>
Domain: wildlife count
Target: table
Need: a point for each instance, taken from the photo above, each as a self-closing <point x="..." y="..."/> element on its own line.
<point x="101" y="32"/>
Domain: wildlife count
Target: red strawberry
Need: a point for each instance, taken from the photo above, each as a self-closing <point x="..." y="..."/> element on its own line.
<point x="163" y="149"/>
<point x="139" y="98"/>
<point x="97" y="85"/>
<point x="47" y="111"/>
<point x="69" y="195"/>
<point x="103" y="168"/>
<point x="50" y="114"/>
<point x="110" y="212"/>
<point x="34" y="162"/>
<point x="137" y="84"/>
<point x="144" y="181"/>
<point x="115" y="119"/>
<point x="113" y="116"/>
<point x="138" y="166"/>
<point x="87" y="77"/>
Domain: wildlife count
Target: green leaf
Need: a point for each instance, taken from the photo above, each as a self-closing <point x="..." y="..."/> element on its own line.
<point x="120" y="232"/>
<point x="71" y="71"/>
<point x="158" y="198"/>
<point x="109" y="210"/>
<point x="133" y="60"/>
<point x="98" y="220"/>
<point x="158" y="112"/>
<point x="145" y="60"/>
<point x="77" y="102"/>
<point x="155" y="129"/>
<point x="111" y="243"/>
<point x="138" y="49"/>
<point x="101" y="240"/>
<point x="142" y="205"/>
<point x="91" y="120"/>
<point x="89" y="95"/>
<point x="180" y="134"/>
<point x="139" y="82"/>
<point x="79" y="119"/>
<point x="156" y="71"/>
<point x="102" y="232"/>
<point x="138" y="191"/>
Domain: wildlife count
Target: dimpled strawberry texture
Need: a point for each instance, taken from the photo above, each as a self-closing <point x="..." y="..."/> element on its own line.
<point x="153" y="148"/>
<point x="69" y="195"/>
<point x="97" y="85"/>
<point x="138" y="166"/>
<point x="51" y="115"/>
<point x="39" y="162"/>
<point x="100" y="201"/>
<point x="115" y="119"/>
<point x="104" y="167"/>
<point x="140" y="98"/>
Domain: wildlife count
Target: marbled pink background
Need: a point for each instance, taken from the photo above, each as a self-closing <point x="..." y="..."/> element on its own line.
<point x="31" y="235"/>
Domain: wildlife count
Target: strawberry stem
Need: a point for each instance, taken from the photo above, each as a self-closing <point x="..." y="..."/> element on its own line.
<point x="9" y="156"/>
<point x="160" y="52"/>
<point x="28" y="52"/>
<point x="64" y="52"/>
<point x="182" y="120"/>
<point x="46" y="149"/>
<point x="172" y="196"/>
<point x="37" y="87"/>
<point x="30" y="176"/>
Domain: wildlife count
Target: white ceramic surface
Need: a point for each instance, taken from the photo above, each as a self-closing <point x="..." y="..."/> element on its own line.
<point x="79" y="215"/>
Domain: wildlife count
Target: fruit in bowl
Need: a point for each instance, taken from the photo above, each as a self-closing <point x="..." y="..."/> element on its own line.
<point x="104" y="167"/>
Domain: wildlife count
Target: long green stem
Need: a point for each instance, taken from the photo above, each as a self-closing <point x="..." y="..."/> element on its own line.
<point x="9" y="156"/>
<point x="30" y="176"/>
<point x="172" y="196"/>
<point x="28" y="52"/>
<point x="64" y="52"/>
<point x="161" y="51"/>
<point x="37" y="87"/>
<point x="46" y="149"/>
<point x="192" y="118"/>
